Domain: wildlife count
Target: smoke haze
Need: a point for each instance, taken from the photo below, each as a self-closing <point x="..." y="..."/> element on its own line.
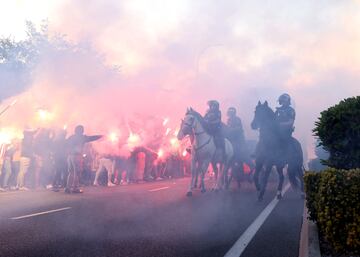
<point x="180" y="53"/>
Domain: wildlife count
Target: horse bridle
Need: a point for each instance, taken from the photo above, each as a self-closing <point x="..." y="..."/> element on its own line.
<point x="197" y="133"/>
<point x="191" y="127"/>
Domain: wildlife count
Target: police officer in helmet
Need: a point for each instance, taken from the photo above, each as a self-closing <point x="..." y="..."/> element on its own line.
<point x="214" y="125"/>
<point x="285" y="116"/>
<point x="233" y="120"/>
<point x="235" y="124"/>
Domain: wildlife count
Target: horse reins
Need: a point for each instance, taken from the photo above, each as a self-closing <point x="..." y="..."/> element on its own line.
<point x="197" y="134"/>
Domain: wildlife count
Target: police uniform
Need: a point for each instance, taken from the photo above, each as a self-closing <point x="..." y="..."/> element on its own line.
<point x="285" y="114"/>
<point x="213" y="121"/>
<point x="214" y="126"/>
<point x="234" y="122"/>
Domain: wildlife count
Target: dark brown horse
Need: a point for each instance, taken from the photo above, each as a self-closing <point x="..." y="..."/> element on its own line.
<point x="270" y="152"/>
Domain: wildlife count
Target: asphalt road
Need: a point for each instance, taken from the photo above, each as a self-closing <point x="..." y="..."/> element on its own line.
<point x="152" y="219"/>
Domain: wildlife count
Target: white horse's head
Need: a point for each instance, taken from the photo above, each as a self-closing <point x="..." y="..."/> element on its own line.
<point x="188" y="124"/>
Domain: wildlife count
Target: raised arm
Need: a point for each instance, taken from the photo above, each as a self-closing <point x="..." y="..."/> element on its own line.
<point x="92" y="138"/>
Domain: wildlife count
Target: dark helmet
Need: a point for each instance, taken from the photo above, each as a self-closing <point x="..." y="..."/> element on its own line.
<point x="284" y="99"/>
<point x="213" y="104"/>
<point x="231" y="111"/>
<point x="79" y="130"/>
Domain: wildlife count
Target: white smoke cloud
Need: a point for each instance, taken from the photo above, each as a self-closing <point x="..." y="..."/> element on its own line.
<point x="174" y="54"/>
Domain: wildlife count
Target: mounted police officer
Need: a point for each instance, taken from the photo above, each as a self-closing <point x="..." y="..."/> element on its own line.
<point x="234" y="123"/>
<point x="214" y="126"/>
<point x="285" y="115"/>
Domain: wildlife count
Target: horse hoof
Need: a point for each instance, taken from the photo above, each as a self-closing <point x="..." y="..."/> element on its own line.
<point x="189" y="194"/>
<point x="279" y="196"/>
<point x="203" y="190"/>
<point x="260" y="198"/>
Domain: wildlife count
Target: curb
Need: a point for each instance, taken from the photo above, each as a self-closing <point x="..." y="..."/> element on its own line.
<point x="309" y="237"/>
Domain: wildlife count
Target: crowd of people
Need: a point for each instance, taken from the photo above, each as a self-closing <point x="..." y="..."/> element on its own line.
<point x="49" y="159"/>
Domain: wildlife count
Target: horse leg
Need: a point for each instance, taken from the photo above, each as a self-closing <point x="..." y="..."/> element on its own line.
<point x="220" y="179"/>
<point x="196" y="180"/>
<point x="226" y="177"/>
<point x="232" y="175"/>
<point x="222" y="176"/>
<point x="258" y="168"/>
<point x="203" y="170"/>
<point x="216" y="175"/>
<point x="193" y="175"/>
<point x="241" y="173"/>
<point x="279" y="169"/>
<point x="264" y="182"/>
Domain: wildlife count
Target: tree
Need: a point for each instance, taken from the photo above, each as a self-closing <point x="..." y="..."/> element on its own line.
<point x="19" y="60"/>
<point x="338" y="129"/>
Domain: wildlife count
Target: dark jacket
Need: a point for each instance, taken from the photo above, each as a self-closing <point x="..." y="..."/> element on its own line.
<point x="213" y="121"/>
<point x="236" y="128"/>
<point x="76" y="143"/>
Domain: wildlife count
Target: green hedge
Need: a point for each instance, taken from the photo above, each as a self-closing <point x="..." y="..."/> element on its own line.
<point x="333" y="201"/>
<point x="338" y="129"/>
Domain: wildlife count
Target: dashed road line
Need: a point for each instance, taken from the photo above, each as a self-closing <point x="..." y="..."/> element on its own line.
<point x="13" y="192"/>
<point x="40" y="213"/>
<point x="158" y="189"/>
<point x="244" y="240"/>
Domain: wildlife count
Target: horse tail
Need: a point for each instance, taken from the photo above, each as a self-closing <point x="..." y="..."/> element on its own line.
<point x="295" y="163"/>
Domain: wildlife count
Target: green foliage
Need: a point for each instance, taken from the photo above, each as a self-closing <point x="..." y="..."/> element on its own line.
<point x="339" y="131"/>
<point x="333" y="201"/>
<point x="51" y="54"/>
<point x="311" y="181"/>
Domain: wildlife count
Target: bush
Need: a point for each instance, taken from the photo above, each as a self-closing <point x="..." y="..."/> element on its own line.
<point x="311" y="181"/>
<point x="333" y="200"/>
<point x="339" y="131"/>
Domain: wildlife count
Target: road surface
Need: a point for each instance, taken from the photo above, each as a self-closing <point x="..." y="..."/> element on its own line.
<point x="150" y="219"/>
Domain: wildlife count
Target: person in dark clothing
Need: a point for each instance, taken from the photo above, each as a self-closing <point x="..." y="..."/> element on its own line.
<point x="60" y="160"/>
<point x="214" y="125"/>
<point x="27" y="155"/>
<point x="235" y="124"/>
<point x="8" y="163"/>
<point x="75" y="144"/>
<point x="285" y="116"/>
<point x="44" y="168"/>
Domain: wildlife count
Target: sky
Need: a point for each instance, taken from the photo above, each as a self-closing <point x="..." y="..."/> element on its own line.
<point x="174" y="54"/>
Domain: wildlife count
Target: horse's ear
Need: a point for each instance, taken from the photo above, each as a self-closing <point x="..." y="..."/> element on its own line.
<point x="259" y="103"/>
<point x="191" y="109"/>
<point x="266" y="103"/>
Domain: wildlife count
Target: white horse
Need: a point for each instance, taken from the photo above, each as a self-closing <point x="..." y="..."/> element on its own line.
<point x="204" y="151"/>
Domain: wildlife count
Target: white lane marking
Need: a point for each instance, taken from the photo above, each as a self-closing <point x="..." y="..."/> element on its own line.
<point x="12" y="193"/>
<point x="240" y="245"/>
<point x="158" y="189"/>
<point x="40" y="213"/>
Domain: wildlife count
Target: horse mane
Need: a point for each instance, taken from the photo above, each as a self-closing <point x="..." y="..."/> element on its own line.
<point x="197" y="115"/>
<point x="267" y="109"/>
<point x="270" y="111"/>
